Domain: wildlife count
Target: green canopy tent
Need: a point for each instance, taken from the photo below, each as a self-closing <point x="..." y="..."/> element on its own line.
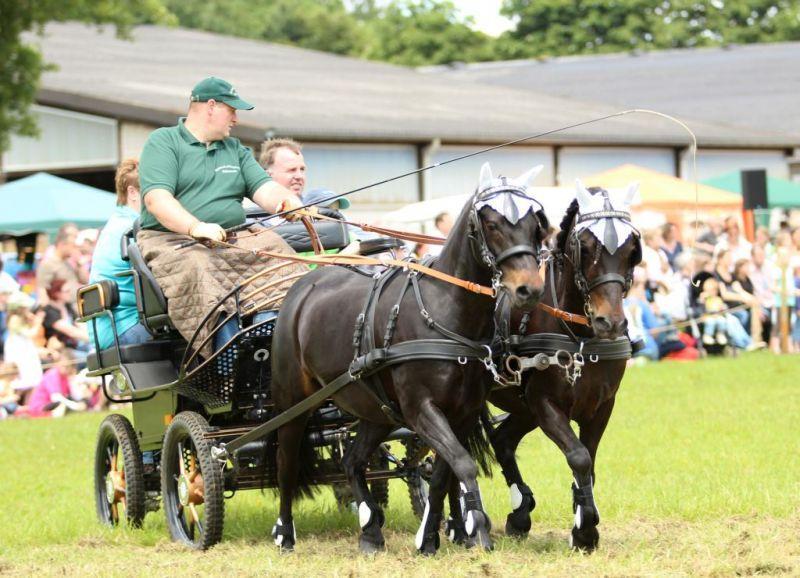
<point x="781" y="193"/>
<point x="43" y="202"/>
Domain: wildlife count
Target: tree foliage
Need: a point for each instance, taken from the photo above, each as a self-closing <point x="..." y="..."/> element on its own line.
<point x="21" y="64"/>
<point x="557" y="27"/>
<point x="415" y="33"/>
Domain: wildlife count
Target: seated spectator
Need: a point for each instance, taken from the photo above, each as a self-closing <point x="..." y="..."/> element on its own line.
<point x="52" y="395"/>
<point x="733" y="241"/>
<point x="9" y="397"/>
<point x="730" y="289"/>
<point x="20" y="345"/>
<point x="670" y="243"/>
<point x="762" y="275"/>
<point x="653" y="259"/>
<point x="59" y="262"/>
<point x="59" y="318"/>
<point x="708" y="238"/>
<point x="107" y="263"/>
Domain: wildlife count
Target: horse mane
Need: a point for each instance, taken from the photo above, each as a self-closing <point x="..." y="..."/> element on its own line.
<point x="566" y="222"/>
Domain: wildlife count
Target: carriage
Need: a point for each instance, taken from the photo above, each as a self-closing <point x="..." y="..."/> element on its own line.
<point x="187" y="409"/>
<point x="205" y="426"/>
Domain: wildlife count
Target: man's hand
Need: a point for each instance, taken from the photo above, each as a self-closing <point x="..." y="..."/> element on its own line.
<point x="201" y="230"/>
<point x="293" y="204"/>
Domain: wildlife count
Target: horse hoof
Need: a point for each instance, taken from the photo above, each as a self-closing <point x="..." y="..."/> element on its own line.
<point x="368" y="547"/>
<point x="584" y="539"/>
<point x="457" y="534"/>
<point x="518" y="524"/>
<point x="429" y="545"/>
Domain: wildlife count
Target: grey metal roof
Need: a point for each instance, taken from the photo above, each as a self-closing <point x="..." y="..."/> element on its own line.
<point x="755" y="86"/>
<point x="318" y="96"/>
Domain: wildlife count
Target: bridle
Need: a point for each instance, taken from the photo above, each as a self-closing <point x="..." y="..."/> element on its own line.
<point x="572" y="253"/>
<point x="477" y="239"/>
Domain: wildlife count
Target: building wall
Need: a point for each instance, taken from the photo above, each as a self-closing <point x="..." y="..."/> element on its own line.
<point x="580" y="162"/>
<point x="461" y="177"/>
<point x="67" y="140"/>
<point x="715" y="162"/>
<point x="343" y="167"/>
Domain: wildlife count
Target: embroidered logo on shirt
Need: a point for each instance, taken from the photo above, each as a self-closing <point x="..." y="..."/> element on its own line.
<point x="227" y="169"/>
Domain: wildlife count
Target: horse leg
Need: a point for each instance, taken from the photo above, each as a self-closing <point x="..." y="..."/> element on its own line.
<point x="555" y="424"/>
<point x="505" y="440"/>
<point x="356" y="458"/>
<point x="290" y="438"/>
<point x="431" y="424"/>
<point x="454" y="527"/>
<point x="592" y="430"/>
<point x="427" y="537"/>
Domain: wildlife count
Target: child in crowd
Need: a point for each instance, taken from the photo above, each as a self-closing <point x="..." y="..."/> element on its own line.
<point x="715" y="328"/>
<point x="52" y="395"/>
<point x="8" y="395"/>
<point x="20" y="347"/>
<point x="719" y="327"/>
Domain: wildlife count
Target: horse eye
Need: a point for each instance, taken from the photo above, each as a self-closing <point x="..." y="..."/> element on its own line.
<point x="492" y="226"/>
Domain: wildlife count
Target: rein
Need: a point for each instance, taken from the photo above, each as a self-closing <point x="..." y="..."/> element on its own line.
<point x="355" y="260"/>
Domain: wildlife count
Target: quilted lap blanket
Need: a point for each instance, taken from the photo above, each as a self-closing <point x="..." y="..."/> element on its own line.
<point x="195" y="278"/>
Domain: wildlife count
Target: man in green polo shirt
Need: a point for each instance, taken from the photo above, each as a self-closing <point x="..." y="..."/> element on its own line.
<point x="193" y="178"/>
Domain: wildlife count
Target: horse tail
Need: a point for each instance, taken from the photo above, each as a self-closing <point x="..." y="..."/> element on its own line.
<point x="308" y="469"/>
<point x="478" y="444"/>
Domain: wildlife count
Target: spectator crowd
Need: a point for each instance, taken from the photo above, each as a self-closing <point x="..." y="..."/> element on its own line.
<point x="726" y="296"/>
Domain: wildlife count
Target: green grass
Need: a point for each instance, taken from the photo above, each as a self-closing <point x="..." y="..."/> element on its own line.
<point x="697" y="474"/>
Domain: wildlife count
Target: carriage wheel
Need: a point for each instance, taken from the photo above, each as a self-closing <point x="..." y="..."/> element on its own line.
<point x="192" y="485"/>
<point x="118" y="478"/>
<point x="380" y="488"/>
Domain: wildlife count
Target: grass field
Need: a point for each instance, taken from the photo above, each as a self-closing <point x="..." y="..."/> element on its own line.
<point x="698" y="474"/>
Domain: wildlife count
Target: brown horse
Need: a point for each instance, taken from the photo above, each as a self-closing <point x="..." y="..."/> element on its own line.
<point x="495" y="241"/>
<point x="590" y="271"/>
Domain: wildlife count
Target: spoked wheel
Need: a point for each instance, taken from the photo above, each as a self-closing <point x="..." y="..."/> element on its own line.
<point x="118" y="478"/>
<point x="192" y="485"/>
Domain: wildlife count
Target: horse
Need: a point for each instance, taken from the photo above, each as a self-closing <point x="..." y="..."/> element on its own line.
<point x="495" y="241"/>
<point x="589" y="271"/>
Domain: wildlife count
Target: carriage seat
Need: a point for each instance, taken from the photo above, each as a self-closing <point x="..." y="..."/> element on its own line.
<point x="159" y="350"/>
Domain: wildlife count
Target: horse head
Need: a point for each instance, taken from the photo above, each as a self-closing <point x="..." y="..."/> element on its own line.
<point x="603" y="247"/>
<point x="506" y="230"/>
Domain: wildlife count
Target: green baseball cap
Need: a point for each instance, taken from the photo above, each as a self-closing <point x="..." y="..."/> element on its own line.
<point x="219" y="90"/>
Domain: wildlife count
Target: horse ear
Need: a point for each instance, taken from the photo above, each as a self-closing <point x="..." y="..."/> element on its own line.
<point x="632" y="194"/>
<point x="583" y="195"/>
<point x="525" y="180"/>
<point x="485" y="180"/>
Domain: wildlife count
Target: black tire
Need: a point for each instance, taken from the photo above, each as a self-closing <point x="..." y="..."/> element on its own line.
<point x="195" y="519"/>
<point x="118" y="485"/>
<point x="380" y="488"/>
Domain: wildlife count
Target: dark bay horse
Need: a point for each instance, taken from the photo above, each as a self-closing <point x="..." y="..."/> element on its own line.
<point x="591" y="270"/>
<point x="495" y="241"/>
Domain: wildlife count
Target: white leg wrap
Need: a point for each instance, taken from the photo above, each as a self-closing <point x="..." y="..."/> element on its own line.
<point x="279" y="537"/>
<point x="516" y="497"/>
<point x="469" y="524"/>
<point x="364" y="515"/>
<point x="421" y="532"/>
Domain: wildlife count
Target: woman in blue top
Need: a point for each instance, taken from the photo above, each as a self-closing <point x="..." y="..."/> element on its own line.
<point x="107" y="262"/>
